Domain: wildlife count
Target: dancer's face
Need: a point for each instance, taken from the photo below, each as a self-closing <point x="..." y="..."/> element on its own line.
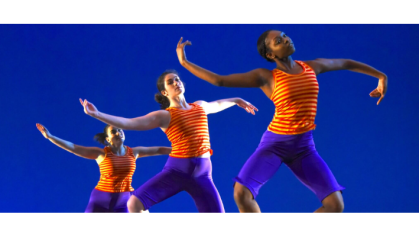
<point x="174" y="86"/>
<point x="116" y="136"/>
<point x="280" y="45"/>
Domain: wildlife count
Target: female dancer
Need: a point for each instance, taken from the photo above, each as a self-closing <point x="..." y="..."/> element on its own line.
<point x="185" y="124"/>
<point x="293" y="88"/>
<point x="116" y="164"/>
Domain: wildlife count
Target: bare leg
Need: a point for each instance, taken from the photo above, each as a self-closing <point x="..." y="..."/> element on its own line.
<point x="135" y="205"/>
<point x="332" y="203"/>
<point x="244" y="199"/>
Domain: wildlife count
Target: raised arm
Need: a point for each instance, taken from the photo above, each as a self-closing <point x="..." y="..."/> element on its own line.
<point x="150" y="121"/>
<point x="150" y="151"/>
<point x="322" y="65"/>
<point x="219" y="105"/>
<point x="91" y="153"/>
<point x="255" y="78"/>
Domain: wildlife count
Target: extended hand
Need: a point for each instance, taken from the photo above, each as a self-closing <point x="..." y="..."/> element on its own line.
<point x="246" y="105"/>
<point x="89" y="108"/>
<point x="381" y="90"/>
<point x="180" y="50"/>
<point x="43" y="130"/>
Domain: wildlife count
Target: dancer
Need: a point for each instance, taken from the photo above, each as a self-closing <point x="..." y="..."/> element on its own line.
<point x="189" y="166"/>
<point x="116" y="164"/>
<point x="293" y="88"/>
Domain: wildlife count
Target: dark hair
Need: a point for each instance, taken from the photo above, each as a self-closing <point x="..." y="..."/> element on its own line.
<point x="262" y="47"/>
<point x="101" y="137"/>
<point x="163" y="100"/>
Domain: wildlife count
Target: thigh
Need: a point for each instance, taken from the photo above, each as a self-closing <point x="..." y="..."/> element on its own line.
<point x="259" y="168"/>
<point x="99" y="201"/>
<point x="159" y="188"/>
<point x="314" y="173"/>
<point x="205" y="195"/>
<point x="120" y="201"/>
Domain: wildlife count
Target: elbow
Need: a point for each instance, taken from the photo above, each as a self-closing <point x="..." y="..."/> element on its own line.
<point x="219" y="82"/>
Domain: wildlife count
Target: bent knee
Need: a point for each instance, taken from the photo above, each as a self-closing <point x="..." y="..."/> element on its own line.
<point x="135" y="205"/>
<point x="242" y="193"/>
<point x="334" y="202"/>
<point x="334" y="206"/>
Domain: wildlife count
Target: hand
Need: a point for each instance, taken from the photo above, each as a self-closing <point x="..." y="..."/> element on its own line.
<point x="89" y="108"/>
<point x="180" y="50"/>
<point x="381" y="89"/>
<point x="246" y="105"/>
<point x="43" y="130"/>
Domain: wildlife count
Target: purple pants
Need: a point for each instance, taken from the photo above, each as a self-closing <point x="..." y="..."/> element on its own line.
<point x="298" y="153"/>
<point x="193" y="175"/>
<point x="101" y="201"/>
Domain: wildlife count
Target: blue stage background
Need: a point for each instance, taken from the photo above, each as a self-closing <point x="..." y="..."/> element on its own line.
<point x="45" y="69"/>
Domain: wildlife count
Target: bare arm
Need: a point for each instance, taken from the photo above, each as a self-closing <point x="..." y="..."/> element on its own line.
<point x="220" y="105"/>
<point x="322" y="65"/>
<point x="255" y="78"/>
<point x="150" y="121"/>
<point x="91" y="153"/>
<point x="151" y="151"/>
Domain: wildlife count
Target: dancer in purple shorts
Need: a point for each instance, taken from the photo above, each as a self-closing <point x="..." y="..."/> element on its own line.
<point x="116" y="163"/>
<point x="293" y="88"/>
<point x="186" y="126"/>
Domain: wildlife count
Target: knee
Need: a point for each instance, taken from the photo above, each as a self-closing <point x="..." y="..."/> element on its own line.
<point x="335" y="206"/>
<point x="242" y="194"/>
<point x="135" y="205"/>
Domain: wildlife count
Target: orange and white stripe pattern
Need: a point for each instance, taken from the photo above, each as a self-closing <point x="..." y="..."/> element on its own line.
<point x="116" y="172"/>
<point x="295" y="99"/>
<point x="188" y="132"/>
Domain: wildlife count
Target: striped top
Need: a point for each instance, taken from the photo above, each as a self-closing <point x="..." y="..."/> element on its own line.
<point x="295" y="99"/>
<point x="116" y="172"/>
<point x="188" y="132"/>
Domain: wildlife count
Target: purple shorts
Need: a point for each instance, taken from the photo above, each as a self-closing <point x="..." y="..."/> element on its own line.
<point x="298" y="153"/>
<point x="193" y="175"/>
<point x="101" y="201"/>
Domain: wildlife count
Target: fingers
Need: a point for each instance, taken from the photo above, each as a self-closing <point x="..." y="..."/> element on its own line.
<point x="253" y="107"/>
<point x="375" y="93"/>
<point x="381" y="98"/>
<point x="249" y="109"/>
<point x="181" y="45"/>
<point x="81" y="101"/>
<point x="252" y="110"/>
<point x="180" y="41"/>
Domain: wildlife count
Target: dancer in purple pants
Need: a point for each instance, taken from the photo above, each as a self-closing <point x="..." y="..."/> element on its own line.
<point x="186" y="126"/>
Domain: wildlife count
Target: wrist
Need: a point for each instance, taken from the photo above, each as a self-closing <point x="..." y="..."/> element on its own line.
<point x="382" y="76"/>
<point x="95" y="115"/>
<point x="184" y="62"/>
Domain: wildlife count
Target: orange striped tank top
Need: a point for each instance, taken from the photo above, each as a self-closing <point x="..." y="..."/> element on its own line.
<point x="116" y="172"/>
<point x="295" y="99"/>
<point x="188" y="132"/>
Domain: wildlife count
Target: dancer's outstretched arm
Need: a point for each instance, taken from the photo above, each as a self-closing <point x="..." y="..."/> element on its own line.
<point x="322" y="65"/>
<point x="255" y="78"/>
<point x="91" y="153"/>
<point x="219" y="105"/>
<point x="150" y="121"/>
<point x="150" y="151"/>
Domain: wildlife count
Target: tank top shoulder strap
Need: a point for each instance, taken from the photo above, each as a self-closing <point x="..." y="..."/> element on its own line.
<point x="306" y="66"/>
